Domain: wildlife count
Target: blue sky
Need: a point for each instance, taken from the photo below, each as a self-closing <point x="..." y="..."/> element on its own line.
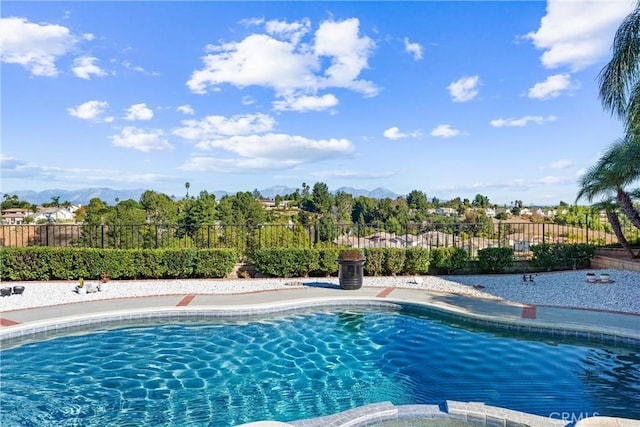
<point x="449" y="98"/>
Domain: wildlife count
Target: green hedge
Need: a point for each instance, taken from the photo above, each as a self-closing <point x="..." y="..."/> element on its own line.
<point x="44" y="263"/>
<point x="495" y="260"/>
<point x="285" y="262"/>
<point x="559" y="256"/>
<point x="449" y="259"/>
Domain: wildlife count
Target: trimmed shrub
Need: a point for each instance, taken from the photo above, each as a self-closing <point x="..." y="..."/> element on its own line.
<point x="327" y="264"/>
<point x="285" y="262"/>
<point x="375" y="262"/>
<point x="214" y="263"/>
<point x="416" y="261"/>
<point x="558" y="256"/>
<point x="449" y="259"/>
<point x="394" y="261"/>
<point x="495" y="260"/>
<point x="25" y="263"/>
<point x="37" y="263"/>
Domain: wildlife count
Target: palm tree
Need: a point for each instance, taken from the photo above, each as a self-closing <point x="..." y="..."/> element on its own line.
<point x="619" y="167"/>
<point x="618" y="79"/>
<point x="187" y="185"/>
<point x="609" y="206"/>
<point x="607" y="179"/>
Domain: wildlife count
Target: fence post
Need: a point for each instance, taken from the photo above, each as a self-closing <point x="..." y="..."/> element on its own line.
<point x="586" y="221"/>
<point x="102" y="236"/>
<point x="544" y="237"/>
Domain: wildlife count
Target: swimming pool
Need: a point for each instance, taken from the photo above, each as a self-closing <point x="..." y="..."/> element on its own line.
<point x="301" y="365"/>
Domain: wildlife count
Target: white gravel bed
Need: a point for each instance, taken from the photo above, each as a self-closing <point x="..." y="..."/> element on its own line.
<point x="565" y="289"/>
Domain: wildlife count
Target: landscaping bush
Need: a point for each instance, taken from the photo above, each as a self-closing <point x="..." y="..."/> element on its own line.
<point x="449" y="259"/>
<point x="327" y="264"/>
<point x="43" y="263"/>
<point x="214" y="263"/>
<point x="25" y="263"/>
<point x="285" y="262"/>
<point x="148" y="264"/>
<point x="416" y="261"/>
<point x="178" y="263"/>
<point x="559" y="256"/>
<point x="394" y="261"/>
<point x="495" y="260"/>
<point x="375" y="262"/>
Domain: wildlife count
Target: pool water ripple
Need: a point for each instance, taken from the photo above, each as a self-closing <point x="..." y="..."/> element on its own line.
<point x="302" y="366"/>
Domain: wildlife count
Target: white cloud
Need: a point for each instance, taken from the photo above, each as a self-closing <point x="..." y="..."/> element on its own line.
<point x="560" y="164"/>
<point x="464" y="89"/>
<point x="84" y="67"/>
<point x="394" y="133"/>
<point x="578" y="33"/>
<point x="141" y="140"/>
<point x="445" y="131"/>
<point x="186" y="109"/>
<point x="292" y="31"/>
<point x="306" y="103"/>
<point x="34" y="46"/>
<point x="349" y="54"/>
<point x="413" y="48"/>
<point x="139" y="112"/>
<point x="129" y="66"/>
<point x="220" y="127"/>
<point x="90" y="110"/>
<point x="523" y="121"/>
<point x="280" y="60"/>
<point x="252" y="146"/>
<point x="552" y="87"/>
<point x="268" y="151"/>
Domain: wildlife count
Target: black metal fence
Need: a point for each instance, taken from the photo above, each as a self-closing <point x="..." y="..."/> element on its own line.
<point x="471" y="237"/>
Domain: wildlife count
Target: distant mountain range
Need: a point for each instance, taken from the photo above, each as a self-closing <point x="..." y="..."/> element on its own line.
<point x="108" y="195"/>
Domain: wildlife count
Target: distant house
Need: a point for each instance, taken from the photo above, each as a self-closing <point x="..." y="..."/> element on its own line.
<point x="53" y="215"/>
<point x="271" y="204"/>
<point x="14" y="216"/>
<point x="446" y="211"/>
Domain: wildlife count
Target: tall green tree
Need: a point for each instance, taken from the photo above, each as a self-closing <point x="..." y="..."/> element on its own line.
<point x="610" y="207"/>
<point x="159" y="207"/>
<point x="619" y="79"/>
<point x="612" y="174"/>
<point x="241" y="208"/>
<point x="197" y="218"/>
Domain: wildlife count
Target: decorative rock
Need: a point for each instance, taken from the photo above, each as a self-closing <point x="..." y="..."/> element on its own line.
<point x="91" y="288"/>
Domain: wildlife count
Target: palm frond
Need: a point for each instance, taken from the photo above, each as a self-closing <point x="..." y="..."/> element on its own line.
<point x="619" y="76"/>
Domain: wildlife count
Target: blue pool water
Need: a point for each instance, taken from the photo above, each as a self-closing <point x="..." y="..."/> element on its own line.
<point x="303" y="365"/>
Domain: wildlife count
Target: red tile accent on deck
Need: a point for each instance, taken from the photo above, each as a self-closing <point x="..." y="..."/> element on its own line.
<point x="384" y="293"/>
<point x="185" y="301"/>
<point x="7" y="322"/>
<point x="529" y="312"/>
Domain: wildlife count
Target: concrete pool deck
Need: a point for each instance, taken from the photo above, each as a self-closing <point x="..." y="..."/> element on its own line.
<point x="600" y="326"/>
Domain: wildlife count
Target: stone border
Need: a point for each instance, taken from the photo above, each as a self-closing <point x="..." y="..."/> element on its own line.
<point x="475" y="413"/>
